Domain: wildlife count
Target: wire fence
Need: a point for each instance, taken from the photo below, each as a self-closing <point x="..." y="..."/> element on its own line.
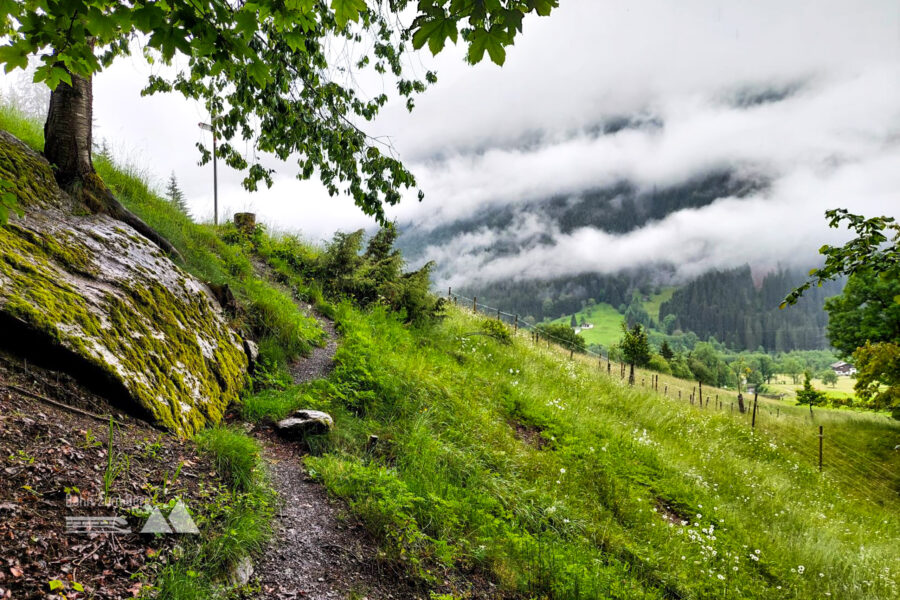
<point x="868" y="478"/>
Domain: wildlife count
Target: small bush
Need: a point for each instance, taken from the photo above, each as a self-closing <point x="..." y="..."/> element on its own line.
<point x="497" y="330"/>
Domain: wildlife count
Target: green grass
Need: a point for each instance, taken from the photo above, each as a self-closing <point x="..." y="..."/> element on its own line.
<point x="606" y="320"/>
<point x="783" y="384"/>
<point x="588" y="514"/>
<point x="655" y="301"/>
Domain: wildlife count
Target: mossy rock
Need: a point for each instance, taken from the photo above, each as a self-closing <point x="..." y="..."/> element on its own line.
<point x="94" y="287"/>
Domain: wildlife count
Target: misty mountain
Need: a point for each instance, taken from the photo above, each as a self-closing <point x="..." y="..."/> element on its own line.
<point x="618" y="209"/>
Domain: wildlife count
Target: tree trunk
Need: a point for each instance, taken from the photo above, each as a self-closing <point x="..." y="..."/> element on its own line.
<point x="68" y="145"/>
<point x="67" y="132"/>
<point x="740" y="402"/>
<point x="630" y="373"/>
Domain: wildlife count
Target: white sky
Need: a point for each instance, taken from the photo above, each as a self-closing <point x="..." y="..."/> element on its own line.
<point x="835" y="142"/>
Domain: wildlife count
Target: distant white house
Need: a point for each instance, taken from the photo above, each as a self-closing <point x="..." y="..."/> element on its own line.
<point x="581" y="328"/>
<point x="843" y="368"/>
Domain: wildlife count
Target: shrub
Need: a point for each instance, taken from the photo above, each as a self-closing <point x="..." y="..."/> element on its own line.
<point x="496" y="329"/>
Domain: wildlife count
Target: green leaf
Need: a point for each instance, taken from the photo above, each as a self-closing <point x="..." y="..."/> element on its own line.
<point x="14" y="57"/>
<point x="77" y="586"/>
<point x="491" y="41"/>
<point x="55" y="584"/>
<point x="347" y="10"/>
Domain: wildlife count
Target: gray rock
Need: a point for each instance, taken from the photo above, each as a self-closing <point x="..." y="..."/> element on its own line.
<point x="94" y="296"/>
<point x="305" y="422"/>
<point x="241" y="573"/>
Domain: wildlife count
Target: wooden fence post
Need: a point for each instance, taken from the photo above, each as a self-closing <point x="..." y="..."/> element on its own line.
<point x="753" y="421"/>
<point x="666" y="392"/>
<point x="700" y="383"/>
<point x="498" y="314"/>
<point x="475" y="305"/>
<point x="608" y="366"/>
<point x="450" y="293"/>
<point x="516" y="325"/>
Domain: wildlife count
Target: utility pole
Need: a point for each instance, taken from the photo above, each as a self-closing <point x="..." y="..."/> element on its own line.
<point x="208" y="127"/>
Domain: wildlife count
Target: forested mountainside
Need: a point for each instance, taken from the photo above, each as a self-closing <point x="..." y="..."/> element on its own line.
<point x="727" y="306"/>
<point x="617" y="208"/>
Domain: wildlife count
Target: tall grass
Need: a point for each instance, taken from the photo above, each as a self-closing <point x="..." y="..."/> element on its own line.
<point x="627" y="493"/>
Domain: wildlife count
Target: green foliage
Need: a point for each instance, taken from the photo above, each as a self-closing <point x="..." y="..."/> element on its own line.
<point x="829" y="377"/>
<point x="234" y="454"/>
<point x="262" y="70"/>
<point x="666" y="351"/>
<point x="234" y="522"/>
<point x="866" y="311"/>
<point x="809" y="395"/>
<point x="659" y="364"/>
<point x="496" y="329"/>
<point x="175" y="195"/>
<point x="372" y="277"/>
<point x="635" y="347"/>
<point x="878" y="375"/>
<point x="875" y="249"/>
<point x="561" y="334"/>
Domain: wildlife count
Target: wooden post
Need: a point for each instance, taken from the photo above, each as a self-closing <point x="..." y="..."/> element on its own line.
<point x="666" y="392"/>
<point x="679" y="394"/>
<point x="571" y="352"/>
<point x="516" y="325"/>
<point x="450" y="293"/>
<point x="475" y="305"/>
<point x="700" y="383"/>
<point x="498" y="314"/>
<point x="753" y="421"/>
<point x="608" y="366"/>
<point x="718" y="406"/>
<point x="820" y="448"/>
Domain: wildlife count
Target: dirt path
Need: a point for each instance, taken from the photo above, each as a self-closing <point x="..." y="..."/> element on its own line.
<point x="316" y="554"/>
<point x="321" y="360"/>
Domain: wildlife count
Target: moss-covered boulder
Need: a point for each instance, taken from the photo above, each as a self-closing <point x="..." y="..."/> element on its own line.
<point x="105" y="301"/>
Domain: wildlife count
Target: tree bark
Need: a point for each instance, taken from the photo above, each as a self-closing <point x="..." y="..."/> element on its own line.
<point x="67" y="132"/>
<point x="630" y="373"/>
<point x="68" y="146"/>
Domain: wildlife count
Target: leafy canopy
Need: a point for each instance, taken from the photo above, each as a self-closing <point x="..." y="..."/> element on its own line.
<point x="876" y="248"/>
<point x="865" y="311"/>
<point x="267" y="69"/>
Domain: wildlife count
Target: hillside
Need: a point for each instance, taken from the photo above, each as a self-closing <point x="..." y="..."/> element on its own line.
<point x="499" y="468"/>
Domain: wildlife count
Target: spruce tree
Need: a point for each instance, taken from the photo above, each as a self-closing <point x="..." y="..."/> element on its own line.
<point x="174" y="194"/>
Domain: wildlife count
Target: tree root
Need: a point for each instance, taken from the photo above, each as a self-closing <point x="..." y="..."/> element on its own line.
<point x="100" y="200"/>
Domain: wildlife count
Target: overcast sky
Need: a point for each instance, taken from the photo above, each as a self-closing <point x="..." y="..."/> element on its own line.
<point x="486" y="136"/>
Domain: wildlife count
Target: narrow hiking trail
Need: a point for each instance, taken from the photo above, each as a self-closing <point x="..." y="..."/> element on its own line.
<point x="315" y="553"/>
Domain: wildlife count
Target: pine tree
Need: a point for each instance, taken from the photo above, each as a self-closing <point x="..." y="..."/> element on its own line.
<point x="573" y="322"/>
<point x="175" y="195"/>
<point x="666" y="351"/>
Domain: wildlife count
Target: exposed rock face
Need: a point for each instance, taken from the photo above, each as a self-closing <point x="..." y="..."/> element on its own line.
<point x="305" y="422"/>
<point x="94" y="290"/>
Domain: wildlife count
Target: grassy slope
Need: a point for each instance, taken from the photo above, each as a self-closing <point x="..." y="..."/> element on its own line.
<point x="584" y="517"/>
<point x="607" y="320"/>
